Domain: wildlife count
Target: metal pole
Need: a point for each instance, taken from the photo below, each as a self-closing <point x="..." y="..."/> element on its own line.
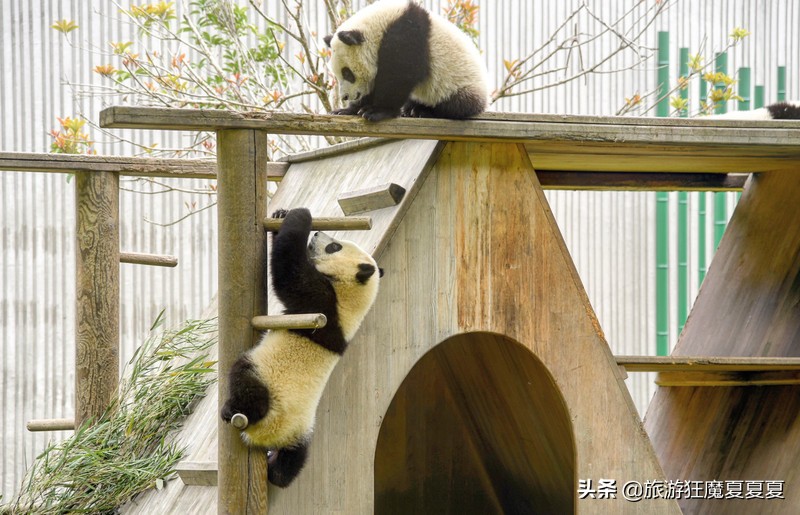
<point x="758" y="97"/>
<point x="662" y="213"/>
<point x="683" y="218"/>
<point x="781" y="84"/>
<point x="720" y="199"/>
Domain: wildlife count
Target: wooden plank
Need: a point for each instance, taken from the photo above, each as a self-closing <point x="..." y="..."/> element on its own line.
<point x="706" y="364"/>
<point x="634" y="181"/>
<point x="354" y="223"/>
<point x="619" y="131"/>
<point x="346" y="147"/>
<point x="195" y="473"/>
<point x="309" y="321"/>
<point x="696" y="378"/>
<point x="51" y="424"/>
<point x="370" y="199"/>
<point x="746" y="307"/>
<point x="202" y="119"/>
<point x="124" y="166"/>
<point x="139" y="258"/>
<point x="241" y="203"/>
<point x="97" y="292"/>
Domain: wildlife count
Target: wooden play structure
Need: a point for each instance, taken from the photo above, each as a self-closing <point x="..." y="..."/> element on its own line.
<point x="481" y="381"/>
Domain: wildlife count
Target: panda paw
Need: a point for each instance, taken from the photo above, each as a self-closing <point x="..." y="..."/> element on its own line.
<point x="415" y="110"/>
<point x="376" y="114"/>
<point x="350" y="110"/>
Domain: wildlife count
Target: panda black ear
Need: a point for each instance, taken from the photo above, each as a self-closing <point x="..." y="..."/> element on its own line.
<point x="381" y="272"/>
<point x="327" y="39"/>
<point x="365" y="271"/>
<point x="351" y="37"/>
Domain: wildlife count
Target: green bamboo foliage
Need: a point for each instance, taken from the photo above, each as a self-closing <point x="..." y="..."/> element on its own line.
<point x="131" y="447"/>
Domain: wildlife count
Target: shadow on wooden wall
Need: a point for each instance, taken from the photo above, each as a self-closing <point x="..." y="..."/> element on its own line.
<point x="477" y="426"/>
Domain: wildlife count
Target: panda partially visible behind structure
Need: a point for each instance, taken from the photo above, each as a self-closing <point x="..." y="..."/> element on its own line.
<point x="278" y="383"/>
<point x="395" y="58"/>
<point x="776" y="111"/>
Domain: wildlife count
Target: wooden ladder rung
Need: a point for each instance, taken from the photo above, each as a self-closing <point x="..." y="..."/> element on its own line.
<point x="370" y="199"/>
<point x="138" y="258"/>
<point x="715" y="371"/>
<point x="197" y="473"/>
<point x="349" y="223"/>
<point x="302" y="321"/>
<point x="51" y="424"/>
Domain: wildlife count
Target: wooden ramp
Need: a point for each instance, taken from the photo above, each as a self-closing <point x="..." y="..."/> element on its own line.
<point x="749" y="305"/>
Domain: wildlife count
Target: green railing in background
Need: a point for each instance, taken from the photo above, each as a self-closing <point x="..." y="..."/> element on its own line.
<point x="752" y="97"/>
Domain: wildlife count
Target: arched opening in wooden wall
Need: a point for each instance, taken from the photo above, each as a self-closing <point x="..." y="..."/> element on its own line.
<point x="477" y="426"/>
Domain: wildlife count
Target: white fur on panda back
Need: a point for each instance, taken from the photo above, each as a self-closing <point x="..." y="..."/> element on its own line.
<point x="755" y="114"/>
<point x="455" y="62"/>
<point x="296" y="371"/>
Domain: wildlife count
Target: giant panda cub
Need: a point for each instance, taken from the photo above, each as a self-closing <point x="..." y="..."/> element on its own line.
<point x="278" y="383"/>
<point x="395" y="58"/>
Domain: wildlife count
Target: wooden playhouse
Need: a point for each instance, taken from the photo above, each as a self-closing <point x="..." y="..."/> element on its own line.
<point x="481" y="381"/>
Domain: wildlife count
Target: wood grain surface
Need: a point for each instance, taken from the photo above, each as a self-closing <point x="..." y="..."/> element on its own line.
<point x="747" y="306"/>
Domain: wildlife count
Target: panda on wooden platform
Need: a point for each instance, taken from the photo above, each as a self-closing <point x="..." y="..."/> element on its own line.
<point x="278" y="383"/>
<point x="395" y="58"/>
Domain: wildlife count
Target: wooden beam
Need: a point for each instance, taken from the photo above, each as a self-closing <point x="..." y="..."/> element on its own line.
<point x="124" y="166"/>
<point x="309" y="321"/>
<point x="353" y="223"/>
<point x="602" y="181"/>
<point x="97" y="292"/>
<point x="241" y="197"/>
<point x="706" y="364"/>
<point x="51" y="424"/>
<point x="776" y="378"/>
<point x="197" y="473"/>
<point x="715" y="371"/>
<point x="776" y="139"/>
<point x="370" y="199"/>
<point x="138" y="258"/>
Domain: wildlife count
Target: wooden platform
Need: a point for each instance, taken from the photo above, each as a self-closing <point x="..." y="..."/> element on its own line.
<point x="553" y="142"/>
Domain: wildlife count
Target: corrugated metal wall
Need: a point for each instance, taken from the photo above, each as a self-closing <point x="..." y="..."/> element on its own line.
<point x="611" y="235"/>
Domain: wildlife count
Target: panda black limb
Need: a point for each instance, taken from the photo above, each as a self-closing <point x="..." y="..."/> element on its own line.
<point x="277" y="384"/>
<point x="394" y="58"/>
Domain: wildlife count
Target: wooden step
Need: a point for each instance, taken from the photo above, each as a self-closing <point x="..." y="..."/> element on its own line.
<point x="341" y="223"/>
<point x="138" y="258"/>
<point x="715" y="371"/>
<point x="303" y="321"/>
<point x="51" y="424"/>
<point x="197" y="473"/>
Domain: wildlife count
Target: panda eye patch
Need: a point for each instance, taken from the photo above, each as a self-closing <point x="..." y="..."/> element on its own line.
<point x="333" y="247"/>
<point x="347" y="74"/>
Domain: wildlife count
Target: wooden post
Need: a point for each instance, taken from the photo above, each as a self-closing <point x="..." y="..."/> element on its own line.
<point x="97" y="291"/>
<point x="241" y="197"/>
